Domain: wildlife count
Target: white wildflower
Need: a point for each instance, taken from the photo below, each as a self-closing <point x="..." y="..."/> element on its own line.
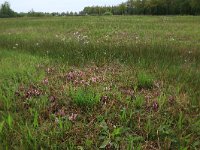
<point x="86" y="42"/>
<point x="63" y="39"/>
<point x="56" y="120"/>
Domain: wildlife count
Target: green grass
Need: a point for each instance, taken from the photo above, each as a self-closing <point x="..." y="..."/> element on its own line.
<point x="145" y="80"/>
<point x="84" y="97"/>
<point x="109" y="82"/>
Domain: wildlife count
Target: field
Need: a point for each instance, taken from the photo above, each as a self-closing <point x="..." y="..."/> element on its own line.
<point x="112" y="82"/>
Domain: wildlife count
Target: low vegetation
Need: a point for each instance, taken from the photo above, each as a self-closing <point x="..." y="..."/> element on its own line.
<point x="109" y="82"/>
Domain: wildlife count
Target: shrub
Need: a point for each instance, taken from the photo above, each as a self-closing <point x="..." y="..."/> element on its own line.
<point x="107" y="13"/>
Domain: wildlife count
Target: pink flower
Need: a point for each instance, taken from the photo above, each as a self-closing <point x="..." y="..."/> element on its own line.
<point x="94" y="79"/>
<point x="155" y="106"/>
<point x="61" y="112"/>
<point x="70" y="76"/>
<point x="73" y="117"/>
<point x="52" y="98"/>
<point x="45" y="81"/>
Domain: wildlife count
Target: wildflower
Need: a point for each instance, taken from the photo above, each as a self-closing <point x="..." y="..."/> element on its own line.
<point x="155" y="106"/>
<point x="37" y="44"/>
<point x="104" y="99"/>
<point x="61" y="112"/>
<point x="56" y="120"/>
<point x="107" y="89"/>
<point x="72" y="117"/>
<point x="70" y="76"/>
<point x="172" y="39"/>
<point x="16" y="44"/>
<point x="84" y="37"/>
<point x="82" y="82"/>
<point x="171" y="99"/>
<point x="76" y="82"/>
<point x="94" y="79"/>
<point x="63" y="39"/>
<point x="87" y="83"/>
<point x="14" y="47"/>
<point x="32" y="92"/>
<point x="17" y="93"/>
<point x="86" y="42"/>
<point x="52" y="98"/>
<point x="45" y="81"/>
<point x="49" y="70"/>
<point x="80" y="73"/>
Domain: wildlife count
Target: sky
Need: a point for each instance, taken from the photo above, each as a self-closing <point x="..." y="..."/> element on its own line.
<point x="57" y="5"/>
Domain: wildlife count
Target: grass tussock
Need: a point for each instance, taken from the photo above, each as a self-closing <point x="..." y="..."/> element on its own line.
<point x="84" y="97"/>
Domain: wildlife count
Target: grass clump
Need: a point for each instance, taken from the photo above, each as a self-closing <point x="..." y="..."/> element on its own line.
<point x="145" y="80"/>
<point x="139" y="101"/>
<point x="84" y="96"/>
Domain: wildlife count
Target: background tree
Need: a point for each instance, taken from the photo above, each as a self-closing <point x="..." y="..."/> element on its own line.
<point x="149" y="7"/>
<point x="195" y="7"/>
<point x="6" y="11"/>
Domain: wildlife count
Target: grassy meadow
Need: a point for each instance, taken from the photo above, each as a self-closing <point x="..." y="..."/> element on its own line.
<point x="107" y="82"/>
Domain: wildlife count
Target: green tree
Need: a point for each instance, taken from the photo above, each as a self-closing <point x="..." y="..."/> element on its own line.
<point x="195" y="6"/>
<point x="6" y="11"/>
<point x="122" y="8"/>
<point x="149" y="7"/>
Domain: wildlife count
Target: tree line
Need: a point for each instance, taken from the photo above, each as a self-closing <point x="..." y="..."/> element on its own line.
<point x="7" y="12"/>
<point x="148" y="7"/>
<point x="131" y="7"/>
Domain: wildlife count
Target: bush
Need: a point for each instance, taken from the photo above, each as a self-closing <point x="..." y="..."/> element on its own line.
<point x="107" y="13"/>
